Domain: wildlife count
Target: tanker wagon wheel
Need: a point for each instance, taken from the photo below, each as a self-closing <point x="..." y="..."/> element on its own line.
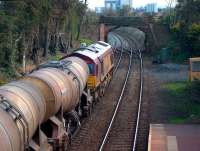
<point x="87" y="111"/>
<point x="72" y="123"/>
<point x="66" y="140"/>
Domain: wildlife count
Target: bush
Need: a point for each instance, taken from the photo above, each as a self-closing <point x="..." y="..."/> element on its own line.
<point x="176" y="28"/>
<point x="172" y="52"/>
<point x="87" y="41"/>
<point x="194" y="31"/>
<point x="185" y="100"/>
<point x="55" y="57"/>
<point x="193" y="37"/>
<point x="7" y="74"/>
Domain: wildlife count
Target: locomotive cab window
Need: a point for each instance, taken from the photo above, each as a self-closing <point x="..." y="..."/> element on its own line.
<point x="91" y="68"/>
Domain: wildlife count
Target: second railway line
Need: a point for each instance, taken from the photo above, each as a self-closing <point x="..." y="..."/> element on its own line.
<point x="123" y="130"/>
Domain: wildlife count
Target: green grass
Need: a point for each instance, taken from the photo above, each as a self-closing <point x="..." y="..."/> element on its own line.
<point x="185" y="100"/>
<point x="195" y="109"/>
<point x="56" y="57"/>
<point x="2" y="81"/>
<point x="176" y="87"/>
<point x="7" y="74"/>
<point x="177" y="120"/>
<point x="85" y="40"/>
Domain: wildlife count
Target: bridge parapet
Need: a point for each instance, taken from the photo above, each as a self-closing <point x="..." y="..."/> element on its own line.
<point x="122" y="21"/>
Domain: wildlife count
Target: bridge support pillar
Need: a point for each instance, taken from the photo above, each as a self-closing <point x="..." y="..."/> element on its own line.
<point x="103" y="31"/>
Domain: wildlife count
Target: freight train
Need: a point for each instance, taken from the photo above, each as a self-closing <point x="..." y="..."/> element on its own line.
<point x="44" y="109"/>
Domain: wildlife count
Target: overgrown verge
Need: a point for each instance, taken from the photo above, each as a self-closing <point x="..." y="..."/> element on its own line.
<point x="35" y="31"/>
<point x="185" y="101"/>
<point x="183" y="24"/>
<point x="171" y="53"/>
<point x="6" y="75"/>
<point x="86" y="41"/>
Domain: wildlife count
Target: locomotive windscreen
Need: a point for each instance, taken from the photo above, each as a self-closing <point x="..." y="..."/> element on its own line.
<point x="91" y="68"/>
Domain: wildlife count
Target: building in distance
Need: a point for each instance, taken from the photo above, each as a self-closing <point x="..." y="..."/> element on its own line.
<point x="125" y="3"/>
<point x="117" y="4"/>
<point x="111" y="4"/>
<point x="99" y="10"/>
<point x="151" y="8"/>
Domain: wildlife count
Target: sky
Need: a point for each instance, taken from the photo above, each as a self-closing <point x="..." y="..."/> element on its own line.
<point x="136" y="3"/>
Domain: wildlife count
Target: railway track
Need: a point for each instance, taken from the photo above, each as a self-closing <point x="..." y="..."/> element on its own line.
<point x="90" y="134"/>
<point x="109" y="140"/>
<point x="141" y="142"/>
<point x="123" y="130"/>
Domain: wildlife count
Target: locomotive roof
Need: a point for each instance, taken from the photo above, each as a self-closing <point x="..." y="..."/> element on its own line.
<point x="95" y="51"/>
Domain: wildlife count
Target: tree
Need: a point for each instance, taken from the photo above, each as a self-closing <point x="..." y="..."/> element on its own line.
<point x="46" y="9"/>
<point x="73" y="18"/>
<point x="6" y="41"/>
<point x="186" y="28"/>
<point x="28" y="25"/>
<point x="81" y="11"/>
<point x="125" y="11"/>
<point x="171" y="11"/>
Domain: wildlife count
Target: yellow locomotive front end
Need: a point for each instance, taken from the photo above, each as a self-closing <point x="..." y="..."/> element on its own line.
<point x="91" y="83"/>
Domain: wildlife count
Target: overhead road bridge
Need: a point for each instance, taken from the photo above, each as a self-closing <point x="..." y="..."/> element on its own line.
<point x="109" y="23"/>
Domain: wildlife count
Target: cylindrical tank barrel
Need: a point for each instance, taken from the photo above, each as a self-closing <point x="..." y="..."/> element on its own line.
<point x="30" y="105"/>
<point x="10" y="137"/>
<point x="37" y="97"/>
<point x="79" y="68"/>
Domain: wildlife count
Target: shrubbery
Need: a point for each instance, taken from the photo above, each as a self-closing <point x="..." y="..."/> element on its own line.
<point x="87" y="41"/>
<point x="184" y="26"/>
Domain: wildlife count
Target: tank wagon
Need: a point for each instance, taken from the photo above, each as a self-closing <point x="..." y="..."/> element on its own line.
<point x="42" y="110"/>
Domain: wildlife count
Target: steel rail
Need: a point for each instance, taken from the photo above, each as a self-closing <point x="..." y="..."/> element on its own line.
<point x="139" y="53"/>
<point x="140" y="101"/>
<point x="118" y="103"/>
<point x="132" y="43"/>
